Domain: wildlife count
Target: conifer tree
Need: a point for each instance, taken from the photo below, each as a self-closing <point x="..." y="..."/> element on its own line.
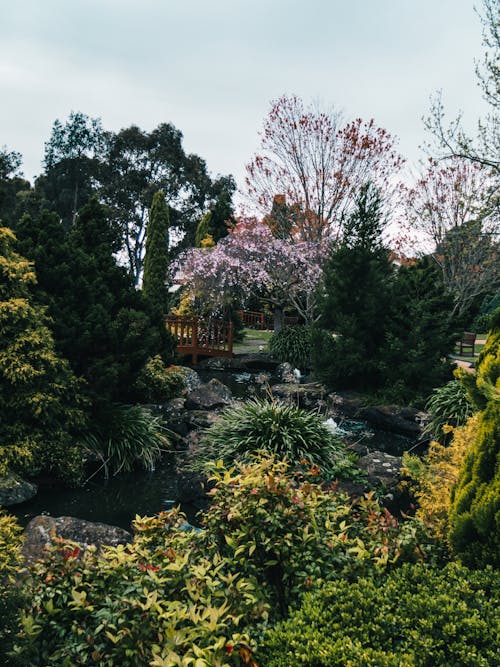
<point x="40" y="404"/>
<point x="156" y="260"/>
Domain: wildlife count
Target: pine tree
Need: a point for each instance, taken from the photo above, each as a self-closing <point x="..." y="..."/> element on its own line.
<point x="156" y="260"/>
<point x="354" y="300"/>
<point x="40" y="403"/>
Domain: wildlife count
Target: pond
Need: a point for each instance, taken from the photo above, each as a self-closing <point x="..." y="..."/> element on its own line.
<point x="117" y="500"/>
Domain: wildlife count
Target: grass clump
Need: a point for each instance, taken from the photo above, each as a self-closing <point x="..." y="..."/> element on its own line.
<point x="292" y="344"/>
<point x="448" y="406"/>
<point x="279" y="429"/>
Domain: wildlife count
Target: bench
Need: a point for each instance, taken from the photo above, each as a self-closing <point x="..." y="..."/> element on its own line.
<point x="467" y="340"/>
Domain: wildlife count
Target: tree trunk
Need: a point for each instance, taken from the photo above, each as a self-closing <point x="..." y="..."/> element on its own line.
<point x="278" y="318"/>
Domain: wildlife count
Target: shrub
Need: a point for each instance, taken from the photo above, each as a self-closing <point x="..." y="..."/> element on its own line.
<point x="163" y="601"/>
<point x="10" y="593"/>
<point x="435" y="475"/>
<point x="475" y="508"/>
<point x="414" y="617"/>
<point x="290" y="534"/>
<point x="281" y="429"/>
<point x="292" y="344"/>
<point x="124" y="436"/>
<point x="157" y="383"/>
<point x="448" y="406"/>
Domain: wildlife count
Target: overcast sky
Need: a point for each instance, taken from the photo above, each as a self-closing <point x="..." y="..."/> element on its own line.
<point x="211" y="67"/>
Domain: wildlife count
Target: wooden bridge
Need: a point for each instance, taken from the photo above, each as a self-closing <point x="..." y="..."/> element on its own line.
<point x="256" y="320"/>
<point x="198" y="337"/>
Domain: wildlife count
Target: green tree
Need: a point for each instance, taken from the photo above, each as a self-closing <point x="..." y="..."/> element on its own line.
<point x="154" y="280"/>
<point x="101" y="323"/>
<point x="475" y="509"/>
<point x="40" y="403"/>
<point x="12" y="187"/>
<point x="414" y="358"/>
<point x="354" y="300"/>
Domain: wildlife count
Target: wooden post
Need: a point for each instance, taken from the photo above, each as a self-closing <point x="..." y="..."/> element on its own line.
<point x="195" y="340"/>
<point x="230" y="341"/>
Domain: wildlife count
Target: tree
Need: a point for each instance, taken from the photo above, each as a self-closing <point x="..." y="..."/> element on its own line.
<point x="140" y="163"/>
<point x="40" y="403"/>
<point x="250" y="261"/>
<point x="319" y="164"/>
<point x="72" y="161"/>
<point x="354" y="301"/>
<point x="216" y="222"/>
<point x="475" y="510"/>
<point x="11" y="185"/>
<point x="154" y="285"/>
<point x="453" y="209"/>
<point x="101" y="323"/>
<point x="452" y="141"/>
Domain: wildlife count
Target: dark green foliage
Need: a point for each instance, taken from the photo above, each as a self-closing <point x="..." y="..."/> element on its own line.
<point x="12" y="188"/>
<point x="157" y="384"/>
<point x="293" y="344"/>
<point x="284" y="430"/>
<point x="420" y="333"/>
<point x="354" y="301"/>
<point x="475" y="510"/>
<point x="204" y="230"/>
<point x="214" y="223"/>
<point x="40" y="402"/>
<point x="125" y="436"/>
<point x="415" y="617"/>
<point x="154" y="281"/>
<point x="448" y="406"/>
<point x="484" y="320"/>
<point x="101" y="324"/>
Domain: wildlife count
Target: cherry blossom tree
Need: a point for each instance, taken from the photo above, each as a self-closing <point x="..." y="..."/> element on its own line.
<point x="453" y="209"/>
<point x="318" y="163"/>
<point x="250" y="261"/>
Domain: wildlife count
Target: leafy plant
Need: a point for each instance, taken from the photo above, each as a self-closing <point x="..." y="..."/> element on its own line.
<point x="292" y="533"/>
<point x="166" y="604"/>
<point x="124" y="436"/>
<point x="448" y="406"/>
<point x="293" y="344"/>
<point x="10" y="592"/>
<point x="414" y="617"/>
<point x="280" y="429"/>
<point x="157" y="383"/>
<point x="434" y="476"/>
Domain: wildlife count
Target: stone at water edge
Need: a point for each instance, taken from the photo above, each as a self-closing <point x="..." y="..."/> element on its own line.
<point x="382" y="469"/>
<point x="209" y="396"/>
<point x="14" y="490"/>
<point x="41" y="531"/>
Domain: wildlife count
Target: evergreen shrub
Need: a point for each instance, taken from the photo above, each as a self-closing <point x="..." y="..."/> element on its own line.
<point x="11" y="594"/>
<point x="293" y="345"/>
<point x="414" y="617"/>
<point x="157" y="383"/>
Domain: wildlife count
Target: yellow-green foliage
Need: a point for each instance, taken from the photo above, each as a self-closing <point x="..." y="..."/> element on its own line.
<point x="10" y="594"/>
<point x="39" y="403"/>
<point x="157" y="383"/>
<point x="475" y="510"/>
<point x="436" y="473"/>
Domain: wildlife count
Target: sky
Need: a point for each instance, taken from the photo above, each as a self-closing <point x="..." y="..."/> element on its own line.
<point x="211" y="67"/>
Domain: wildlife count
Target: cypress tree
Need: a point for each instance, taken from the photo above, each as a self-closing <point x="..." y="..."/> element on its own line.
<point x="156" y="259"/>
<point x="40" y="403"/>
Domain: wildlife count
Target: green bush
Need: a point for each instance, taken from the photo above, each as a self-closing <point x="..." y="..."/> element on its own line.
<point x="291" y="533"/>
<point x="293" y="344"/>
<point x="475" y="509"/>
<point x="162" y="601"/>
<point x="124" y="436"/>
<point x="281" y="429"/>
<point x="11" y="595"/>
<point x="448" y="406"/>
<point x="414" y="617"/>
<point x="157" y="383"/>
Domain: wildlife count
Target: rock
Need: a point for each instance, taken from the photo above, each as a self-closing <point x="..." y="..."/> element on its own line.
<point x="173" y="415"/>
<point x="39" y="534"/>
<point x="310" y="395"/>
<point x="192" y="488"/>
<point x="201" y="418"/>
<point x="216" y="363"/>
<point x="191" y="378"/>
<point x="209" y="396"/>
<point x="382" y="469"/>
<point x="14" y="490"/>
<point x="405" y="421"/>
<point x="286" y="373"/>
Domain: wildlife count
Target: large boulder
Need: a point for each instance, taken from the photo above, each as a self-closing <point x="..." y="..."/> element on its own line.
<point x="310" y="395"/>
<point x="209" y="396"/>
<point x="14" y="490"/>
<point x="382" y="469"/>
<point x="41" y="532"/>
<point x="191" y="378"/>
<point x="405" y="421"/>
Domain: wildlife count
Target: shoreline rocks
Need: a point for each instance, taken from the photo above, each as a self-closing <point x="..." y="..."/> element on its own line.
<point x="14" y="490"/>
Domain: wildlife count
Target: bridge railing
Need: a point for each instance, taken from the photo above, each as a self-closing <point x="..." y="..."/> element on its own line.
<point x="196" y="336"/>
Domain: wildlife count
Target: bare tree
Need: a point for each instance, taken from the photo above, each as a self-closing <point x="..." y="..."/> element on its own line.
<point x="318" y="163"/>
